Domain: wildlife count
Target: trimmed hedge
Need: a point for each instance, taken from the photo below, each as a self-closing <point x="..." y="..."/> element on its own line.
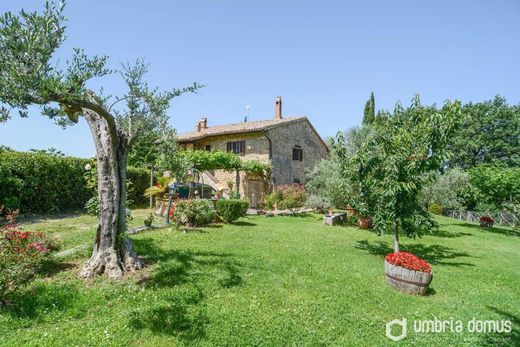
<point x="139" y="181"/>
<point x="40" y="183"/>
<point x="232" y="209"/>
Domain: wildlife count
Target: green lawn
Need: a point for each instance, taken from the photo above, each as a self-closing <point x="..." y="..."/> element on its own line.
<point x="268" y="281"/>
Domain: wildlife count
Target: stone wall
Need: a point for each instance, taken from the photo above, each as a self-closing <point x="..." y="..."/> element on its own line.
<point x="284" y="139"/>
<point x="257" y="148"/>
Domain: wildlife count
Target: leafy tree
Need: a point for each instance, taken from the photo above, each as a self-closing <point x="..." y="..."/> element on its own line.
<point x="392" y="166"/>
<point x="494" y="186"/>
<point x="53" y="152"/>
<point x="325" y="179"/>
<point x="370" y="110"/>
<point x="489" y="135"/>
<point x="29" y="75"/>
<point x="447" y="190"/>
<point x="5" y="149"/>
<point x="144" y="151"/>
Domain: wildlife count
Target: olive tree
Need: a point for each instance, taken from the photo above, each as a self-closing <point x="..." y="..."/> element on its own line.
<point x="30" y="74"/>
<point x="394" y="164"/>
<point x="447" y="189"/>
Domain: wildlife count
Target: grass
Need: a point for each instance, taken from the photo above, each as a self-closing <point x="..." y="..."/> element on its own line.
<point x="268" y="281"/>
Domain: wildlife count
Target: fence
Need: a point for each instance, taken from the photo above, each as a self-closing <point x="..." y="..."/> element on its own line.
<point x="501" y="218"/>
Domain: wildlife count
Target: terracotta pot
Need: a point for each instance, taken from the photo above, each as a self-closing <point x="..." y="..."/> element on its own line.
<point x="406" y="280"/>
<point x="351" y="212"/>
<point x="364" y="223"/>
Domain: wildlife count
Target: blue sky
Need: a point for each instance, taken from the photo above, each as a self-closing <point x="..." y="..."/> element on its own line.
<point x="323" y="57"/>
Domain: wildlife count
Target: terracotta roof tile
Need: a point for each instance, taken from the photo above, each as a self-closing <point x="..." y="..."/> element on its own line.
<point x="245" y="127"/>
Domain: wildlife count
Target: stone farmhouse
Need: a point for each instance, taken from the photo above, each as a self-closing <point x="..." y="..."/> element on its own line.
<point x="291" y="145"/>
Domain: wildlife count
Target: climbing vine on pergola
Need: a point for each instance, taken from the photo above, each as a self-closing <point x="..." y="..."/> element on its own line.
<point x="218" y="160"/>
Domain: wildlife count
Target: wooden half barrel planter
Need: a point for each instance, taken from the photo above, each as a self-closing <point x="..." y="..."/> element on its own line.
<point x="406" y="280"/>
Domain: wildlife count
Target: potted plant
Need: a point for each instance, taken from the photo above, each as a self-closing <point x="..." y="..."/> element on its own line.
<point x="148" y="221"/>
<point x="351" y="211"/>
<point x="486" y="221"/>
<point x="364" y="221"/>
<point x="408" y="273"/>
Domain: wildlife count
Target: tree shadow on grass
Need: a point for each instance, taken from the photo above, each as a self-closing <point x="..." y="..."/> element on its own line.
<point x="503" y="339"/>
<point x="33" y="219"/>
<point x="181" y="266"/>
<point x="242" y="223"/>
<point x="182" y="313"/>
<point x="448" y="234"/>
<point x="494" y="230"/>
<point x="433" y="254"/>
<point x="38" y="301"/>
<point x="302" y="215"/>
<point x="193" y="231"/>
<point x="53" y="266"/>
<point x="200" y="230"/>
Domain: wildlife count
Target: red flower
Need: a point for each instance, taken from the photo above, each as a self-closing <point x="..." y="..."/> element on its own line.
<point x="408" y="261"/>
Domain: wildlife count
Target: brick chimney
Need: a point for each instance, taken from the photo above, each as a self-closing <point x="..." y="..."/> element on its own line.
<point x="278" y="108"/>
<point x="201" y="124"/>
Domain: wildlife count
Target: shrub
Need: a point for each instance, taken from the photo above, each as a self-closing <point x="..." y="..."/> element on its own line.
<point x="408" y="261"/>
<point x="352" y="220"/>
<point x="318" y="203"/>
<point x="487" y="207"/>
<point x="435" y="209"/>
<point x="325" y="180"/>
<point x="234" y="195"/>
<point x="495" y="185"/>
<point x="232" y="209"/>
<point x="448" y="190"/>
<point x="21" y="254"/>
<point x="193" y="213"/>
<point x="286" y="197"/>
<point x="92" y="206"/>
<point x="138" y="180"/>
<point x="40" y="183"/>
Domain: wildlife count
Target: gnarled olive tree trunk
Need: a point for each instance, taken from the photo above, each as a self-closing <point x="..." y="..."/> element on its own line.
<point x="112" y="254"/>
